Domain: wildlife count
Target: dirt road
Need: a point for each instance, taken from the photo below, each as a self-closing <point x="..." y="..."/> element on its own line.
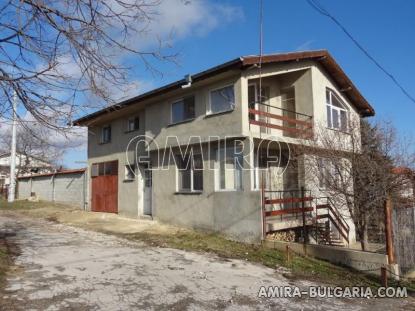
<point x="66" y="268"/>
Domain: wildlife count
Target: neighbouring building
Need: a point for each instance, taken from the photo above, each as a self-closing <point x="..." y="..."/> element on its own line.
<point x="25" y="165"/>
<point x="407" y="180"/>
<point x="236" y="116"/>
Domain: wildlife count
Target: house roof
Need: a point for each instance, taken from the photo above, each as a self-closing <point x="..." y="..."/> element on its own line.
<point x="323" y="57"/>
<point x="400" y="170"/>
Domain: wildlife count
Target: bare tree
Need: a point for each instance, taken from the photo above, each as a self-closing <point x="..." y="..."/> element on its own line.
<point x="354" y="169"/>
<point x="35" y="148"/>
<point x="53" y="53"/>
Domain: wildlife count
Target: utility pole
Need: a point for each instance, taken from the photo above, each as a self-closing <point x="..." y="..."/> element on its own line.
<point x="12" y="186"/>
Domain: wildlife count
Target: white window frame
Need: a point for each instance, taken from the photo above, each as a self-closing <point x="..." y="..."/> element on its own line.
<point x="182" y="100"/>
<point x="342" y="127"/>
<point x="217" y="172"/>
<point x="209" y="108"/>
<point x="192" y="169"/>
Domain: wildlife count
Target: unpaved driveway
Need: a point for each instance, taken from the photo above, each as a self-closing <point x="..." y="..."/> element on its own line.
<point x="66" y="268"/>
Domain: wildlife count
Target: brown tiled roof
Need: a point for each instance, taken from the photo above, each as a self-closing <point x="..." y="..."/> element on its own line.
<point x="403" y="171"/>
<point x="323" y="57"/>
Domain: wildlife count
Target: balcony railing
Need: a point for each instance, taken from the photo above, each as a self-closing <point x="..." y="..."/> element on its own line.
<point x="291" y="123"/>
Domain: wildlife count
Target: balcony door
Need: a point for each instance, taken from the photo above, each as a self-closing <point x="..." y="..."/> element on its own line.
<point x="259" y="102"/>
<point x="289" y="110"/>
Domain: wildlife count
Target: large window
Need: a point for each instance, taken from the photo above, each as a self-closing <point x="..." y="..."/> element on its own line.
<point x="106" y="134"/>
<point x="229" y="165"/>
<point x="337" y="114"/>
<point x="222" y="99"/>
<point x="329" y="173"/>
<point x="183" y="110"/>
<point x="190" y="173"/>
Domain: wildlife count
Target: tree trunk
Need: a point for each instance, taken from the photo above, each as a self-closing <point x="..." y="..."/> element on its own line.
<point x="364" y="238"/>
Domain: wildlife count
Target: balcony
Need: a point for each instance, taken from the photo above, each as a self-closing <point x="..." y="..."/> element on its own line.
<point x="264" y="118"/>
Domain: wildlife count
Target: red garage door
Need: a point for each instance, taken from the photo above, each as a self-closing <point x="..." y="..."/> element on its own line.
<point x="104" y="196"/>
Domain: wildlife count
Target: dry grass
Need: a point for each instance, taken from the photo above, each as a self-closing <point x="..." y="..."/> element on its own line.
<point x="300" y="267"/>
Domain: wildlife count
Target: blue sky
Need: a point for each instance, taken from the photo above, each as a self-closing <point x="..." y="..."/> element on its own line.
<point x="384" y="28"/>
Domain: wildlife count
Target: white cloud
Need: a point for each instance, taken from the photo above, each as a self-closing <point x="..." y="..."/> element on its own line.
<point x="73" y="138"/>
<point x="304" y="46"/>
<point x="186" y="18"/>
<point x="131" y="89"/>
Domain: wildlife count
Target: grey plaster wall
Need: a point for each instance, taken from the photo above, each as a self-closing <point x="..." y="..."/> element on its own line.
<point x="70" y="188"/>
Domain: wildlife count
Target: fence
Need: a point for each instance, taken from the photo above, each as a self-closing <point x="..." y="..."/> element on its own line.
<point x="68" y="187"/>
<point x="404" y="237"/>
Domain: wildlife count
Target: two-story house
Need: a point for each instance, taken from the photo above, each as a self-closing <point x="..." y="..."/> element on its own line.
<point x="240" y="119"/>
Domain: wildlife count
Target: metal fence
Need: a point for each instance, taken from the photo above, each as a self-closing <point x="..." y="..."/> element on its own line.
<point x="404" y="237"/>
<point x="70" y="187"/>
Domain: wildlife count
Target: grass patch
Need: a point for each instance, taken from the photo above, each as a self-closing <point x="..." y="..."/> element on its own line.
<point x="21" y="205"/>
<point x="300" y="267"/>
<point x="7" y="255"/>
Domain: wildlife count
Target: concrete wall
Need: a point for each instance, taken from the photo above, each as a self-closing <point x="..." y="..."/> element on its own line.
<point x="236" y="214"/>
<point x="24" y="188"/>
<point x="363" y="261"/>
<point x="42" y="186"/>
<point x="68" y="188"/>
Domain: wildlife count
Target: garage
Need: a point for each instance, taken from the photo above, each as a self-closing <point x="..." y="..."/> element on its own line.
<point x="104" y="180"/>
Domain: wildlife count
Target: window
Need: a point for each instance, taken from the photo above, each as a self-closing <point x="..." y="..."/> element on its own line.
<point x="104" y="169"/>
<point x="94" y="170"/>
<point x="222" y="99"/>
<point x="106" y="134"/>
<point x="329" y="172"/>
<point x="229" y="164"/>
<point x="190" y="173"/>
<point x="133" y="124"/>
<point x="183" y="110"/>
<point x="129" y="172"/>
<point x="337" y="115"/>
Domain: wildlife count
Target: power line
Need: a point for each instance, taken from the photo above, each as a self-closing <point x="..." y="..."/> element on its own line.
<point x="317" y="6"/>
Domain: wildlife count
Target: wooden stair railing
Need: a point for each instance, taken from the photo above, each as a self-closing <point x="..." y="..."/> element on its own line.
<point x="335" y="218"/>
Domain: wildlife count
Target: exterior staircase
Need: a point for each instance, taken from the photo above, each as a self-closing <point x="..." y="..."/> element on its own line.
<point x="323" y="221"/>
<point x="323" y="235"/>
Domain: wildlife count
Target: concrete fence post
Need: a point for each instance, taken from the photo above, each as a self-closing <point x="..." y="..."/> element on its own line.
<point x="53" y="187"/>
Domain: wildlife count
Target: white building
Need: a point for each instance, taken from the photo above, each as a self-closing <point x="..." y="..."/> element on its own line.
<point x="25" y="165"/>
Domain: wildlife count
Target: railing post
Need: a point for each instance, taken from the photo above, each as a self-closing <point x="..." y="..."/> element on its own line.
<point x="383" y="277"/>
<point x="305" y="233"/>
<point x="264" y="223"/>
